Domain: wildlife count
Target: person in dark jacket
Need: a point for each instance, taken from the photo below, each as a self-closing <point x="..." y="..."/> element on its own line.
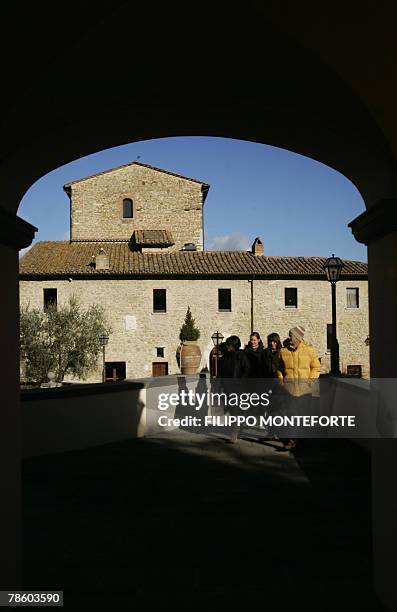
<point x="273" y="365"/>
<point x="234" y="363"/>
<point x="273" y="369"/>
<point x="254" y="351"/>
<point x="233" y="367"/>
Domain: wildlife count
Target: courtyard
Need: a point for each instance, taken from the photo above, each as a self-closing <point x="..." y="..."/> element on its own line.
<point x="186" y="521"/>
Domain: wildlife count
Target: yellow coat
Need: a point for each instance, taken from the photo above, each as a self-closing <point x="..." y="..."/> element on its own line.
<point x="302" y="367"/>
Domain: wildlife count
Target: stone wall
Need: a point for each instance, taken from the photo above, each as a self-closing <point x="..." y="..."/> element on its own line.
<point x="160" y="201"/>
<point x="137" y="331"/>
<point x="314" y="312"/>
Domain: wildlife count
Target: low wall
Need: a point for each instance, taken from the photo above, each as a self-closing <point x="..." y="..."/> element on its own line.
<point x="76" y="417"/>
<point x="72" y="418"/>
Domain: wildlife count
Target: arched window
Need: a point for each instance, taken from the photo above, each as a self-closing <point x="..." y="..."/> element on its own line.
<point x="127" y="208"/>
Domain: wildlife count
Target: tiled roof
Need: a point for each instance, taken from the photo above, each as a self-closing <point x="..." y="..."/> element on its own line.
<point x="135" y="163"/>
<point x="153" y="238"/>
<point x="74" y="258"/>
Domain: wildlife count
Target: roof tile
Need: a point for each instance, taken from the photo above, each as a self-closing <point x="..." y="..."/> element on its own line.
<point x="152" y="238"/>
<point x="75" y="258"/>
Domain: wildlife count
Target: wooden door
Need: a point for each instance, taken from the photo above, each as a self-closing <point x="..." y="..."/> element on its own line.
<point x="160" y="368"/>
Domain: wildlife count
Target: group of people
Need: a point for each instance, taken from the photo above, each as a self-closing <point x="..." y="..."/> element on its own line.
<point x="294" y="364"/>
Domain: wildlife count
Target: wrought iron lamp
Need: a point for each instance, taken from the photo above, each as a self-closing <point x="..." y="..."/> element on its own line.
<point x="217" y="338"/>
<point x="333" y="268"/>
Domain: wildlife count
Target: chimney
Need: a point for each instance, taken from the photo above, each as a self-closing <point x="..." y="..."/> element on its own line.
<point x="102" y="261"/>
<point x="257" y="247"/>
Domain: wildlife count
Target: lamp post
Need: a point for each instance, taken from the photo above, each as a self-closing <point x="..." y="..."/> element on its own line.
<point x="103" y="340"/>
<point x="217" y="338"/>
<point x="333" y="268"/>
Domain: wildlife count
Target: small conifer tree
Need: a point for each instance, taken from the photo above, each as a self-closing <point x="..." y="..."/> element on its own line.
<point x="188" y="330"/>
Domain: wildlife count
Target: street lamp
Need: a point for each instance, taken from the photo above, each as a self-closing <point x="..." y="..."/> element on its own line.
<point x="217" y="338"/>
<point x="333" y="268"/>
<point x="103" y="340"/>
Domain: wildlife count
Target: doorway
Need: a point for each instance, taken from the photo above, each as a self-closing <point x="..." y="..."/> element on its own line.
<point x="115" y="370"/>
<point x="160" y="368"/>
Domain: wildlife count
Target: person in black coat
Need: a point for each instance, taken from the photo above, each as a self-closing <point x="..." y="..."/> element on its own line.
<point x="255" y="352"/>
<point x="274" y="368"/>
<point x="273" y="365"/>
<point x="234" y="367"/>
<point x="234" y="363"/>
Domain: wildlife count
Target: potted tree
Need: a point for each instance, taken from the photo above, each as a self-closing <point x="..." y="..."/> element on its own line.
<point x="190" y="354"/>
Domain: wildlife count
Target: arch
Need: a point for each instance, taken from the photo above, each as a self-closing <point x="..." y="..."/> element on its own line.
<point x="128" y="211"/>
<point x="273" y="90"/>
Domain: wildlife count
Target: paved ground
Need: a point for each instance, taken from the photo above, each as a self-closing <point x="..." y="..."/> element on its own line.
<point x="186" y="521"/>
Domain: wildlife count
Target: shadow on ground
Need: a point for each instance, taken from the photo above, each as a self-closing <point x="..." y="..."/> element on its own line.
<point x="188" y="522"/>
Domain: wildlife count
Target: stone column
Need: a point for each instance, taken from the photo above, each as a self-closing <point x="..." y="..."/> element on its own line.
<point x="377" y="227"/>
<point x="14" y="235"/>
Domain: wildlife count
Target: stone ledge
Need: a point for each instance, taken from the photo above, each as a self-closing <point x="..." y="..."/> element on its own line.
<point x="14" y="231"/>
<point x="376" y="222"/>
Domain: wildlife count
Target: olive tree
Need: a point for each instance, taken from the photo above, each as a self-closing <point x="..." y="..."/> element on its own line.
<point x="64" y="340"/>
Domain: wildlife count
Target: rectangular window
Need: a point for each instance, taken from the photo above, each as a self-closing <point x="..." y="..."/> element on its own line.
<point x="291" y="297"/>
<point x="224" y="300"/>
<point x="354" y="370"/>
<point x="352" y="297"/>
<point x="50" y="298"/>
<point x="159" y="300"/>
<point x="160" y="351"/>
<point x="329" y="336"/>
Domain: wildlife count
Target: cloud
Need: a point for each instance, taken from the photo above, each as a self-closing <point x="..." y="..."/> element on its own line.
<point x="23" y="251"/>
<point x="66" y="235"/>
<point x="229" y="242"/>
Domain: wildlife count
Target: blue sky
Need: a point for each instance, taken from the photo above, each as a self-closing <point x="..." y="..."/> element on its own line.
<point x="297" y="206"/>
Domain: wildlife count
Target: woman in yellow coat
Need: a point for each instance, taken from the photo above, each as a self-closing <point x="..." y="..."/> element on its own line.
<point x="302" y="369"/>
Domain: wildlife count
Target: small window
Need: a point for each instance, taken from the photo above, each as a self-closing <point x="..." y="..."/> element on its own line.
<point x="354" y="371"/>
<point x="352" y="297"/>
<point x="159" y="300"/>
<point x="224" y="300"/>
<point x="160" y="351"/>
<point x="50" y="298"/>
<point x="329" y="336"/>
<point x="291" y="297"/>
<point x="127" y="208"/>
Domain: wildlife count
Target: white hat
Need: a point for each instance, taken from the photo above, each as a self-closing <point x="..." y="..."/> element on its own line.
<point x="298" y="332"/>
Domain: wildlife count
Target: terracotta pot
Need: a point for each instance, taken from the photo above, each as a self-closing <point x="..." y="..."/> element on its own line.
<point x="190" y="356"/>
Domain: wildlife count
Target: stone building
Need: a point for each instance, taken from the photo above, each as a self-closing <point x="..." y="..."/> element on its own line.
<point x="137" y="248"/>
<point x="152" y="208"/>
